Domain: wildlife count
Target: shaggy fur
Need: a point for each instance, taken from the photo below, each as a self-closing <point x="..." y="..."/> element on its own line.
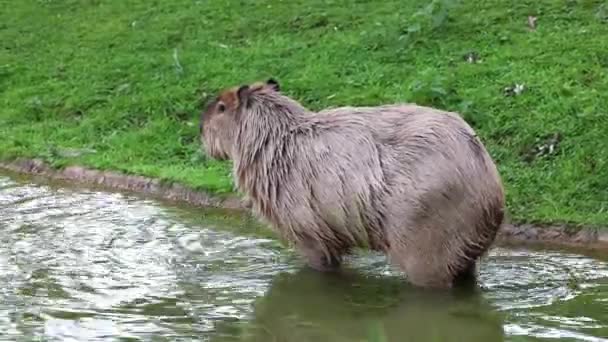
<point x="411" y="181"/>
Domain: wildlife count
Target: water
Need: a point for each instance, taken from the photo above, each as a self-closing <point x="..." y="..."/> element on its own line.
<point x="87" y="265"/>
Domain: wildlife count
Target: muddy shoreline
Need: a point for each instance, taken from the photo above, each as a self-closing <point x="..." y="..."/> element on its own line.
<point x="557" y="235"/>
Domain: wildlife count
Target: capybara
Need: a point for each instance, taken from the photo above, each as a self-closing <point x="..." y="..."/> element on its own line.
<point x="413" y="182"/>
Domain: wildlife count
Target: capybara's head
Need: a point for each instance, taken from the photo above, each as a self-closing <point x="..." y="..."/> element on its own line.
<point x="220" y="119"/>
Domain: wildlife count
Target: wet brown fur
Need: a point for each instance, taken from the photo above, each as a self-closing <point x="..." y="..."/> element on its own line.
<point x="411" y="181"/>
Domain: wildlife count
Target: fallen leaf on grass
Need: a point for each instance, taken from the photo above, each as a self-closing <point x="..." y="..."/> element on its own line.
<point x="543" y="147"/>
<point x="532" y="22"/>
<point x="514" y="90"/>
<point x="472" y="57"/>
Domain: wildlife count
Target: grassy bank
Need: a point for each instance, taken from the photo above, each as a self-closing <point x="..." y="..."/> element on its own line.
<point x="119" y="85"/>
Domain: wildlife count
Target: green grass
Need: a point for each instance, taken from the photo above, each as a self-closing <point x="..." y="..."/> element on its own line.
<point x="127" y="79"/>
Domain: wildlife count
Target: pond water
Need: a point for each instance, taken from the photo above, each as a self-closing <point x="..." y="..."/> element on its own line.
<point x="88" y="265"/>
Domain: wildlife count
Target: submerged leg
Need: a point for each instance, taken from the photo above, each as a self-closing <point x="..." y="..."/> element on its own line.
<point x="317" y="259"/>
<point x="467" y="277"/>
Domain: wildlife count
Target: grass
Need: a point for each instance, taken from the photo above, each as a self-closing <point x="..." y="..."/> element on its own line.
<point x="125" y="80"/>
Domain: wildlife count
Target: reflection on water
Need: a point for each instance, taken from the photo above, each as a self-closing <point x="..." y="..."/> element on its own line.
<point x="91" y="265"/>
<point x="307" y="306"/>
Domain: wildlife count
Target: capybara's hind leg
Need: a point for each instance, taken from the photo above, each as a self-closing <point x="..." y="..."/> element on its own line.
<point x="420" y="271"/>
<point x="317" y="259"/>
<point x="422" y="258"/>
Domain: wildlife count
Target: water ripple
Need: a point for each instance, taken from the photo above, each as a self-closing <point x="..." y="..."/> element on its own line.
<point x="89" y="265"/>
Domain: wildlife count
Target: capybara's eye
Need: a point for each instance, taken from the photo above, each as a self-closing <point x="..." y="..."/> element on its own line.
<point x="221" y="108"/>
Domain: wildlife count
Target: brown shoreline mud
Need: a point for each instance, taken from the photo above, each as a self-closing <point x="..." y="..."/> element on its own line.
<point x="556" y="235"/>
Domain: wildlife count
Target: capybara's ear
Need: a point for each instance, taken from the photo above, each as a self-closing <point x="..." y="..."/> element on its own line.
<point x="273" y="84"/>
<point x="242" y="94"/>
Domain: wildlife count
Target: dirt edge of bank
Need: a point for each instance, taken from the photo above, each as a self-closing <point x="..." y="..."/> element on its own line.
<point x="559" y="235"/>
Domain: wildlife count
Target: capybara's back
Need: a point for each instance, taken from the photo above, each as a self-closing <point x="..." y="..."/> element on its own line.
<point x="411" y="181"/>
